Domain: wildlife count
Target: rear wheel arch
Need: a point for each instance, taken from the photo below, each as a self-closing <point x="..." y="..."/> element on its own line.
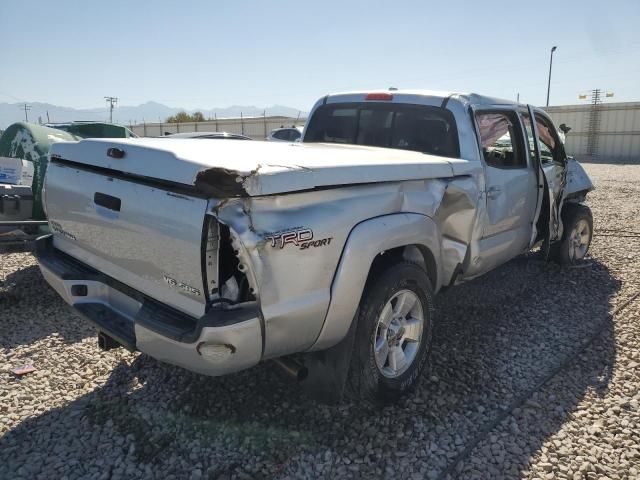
<point x="371" y="244"/>
<point x="418" y="254"/>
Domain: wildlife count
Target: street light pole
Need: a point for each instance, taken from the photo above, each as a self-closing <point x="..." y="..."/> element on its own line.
<point x="553" y="49"/>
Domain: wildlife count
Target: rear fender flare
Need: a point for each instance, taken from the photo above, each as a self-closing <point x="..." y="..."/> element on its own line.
<point x="366" y="241"/>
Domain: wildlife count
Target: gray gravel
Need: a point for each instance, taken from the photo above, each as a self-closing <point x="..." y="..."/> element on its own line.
<point x="91" y="414"/>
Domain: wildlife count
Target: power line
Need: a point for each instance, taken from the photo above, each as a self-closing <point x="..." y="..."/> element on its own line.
<point x="5" y="94"/>
<point x="111" y="101"/>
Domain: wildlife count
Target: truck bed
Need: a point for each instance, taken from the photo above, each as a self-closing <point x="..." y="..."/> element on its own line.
<point x="258" y="168"/>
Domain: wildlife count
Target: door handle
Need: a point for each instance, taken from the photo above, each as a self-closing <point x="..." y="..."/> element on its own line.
<point x="107" y="201"/>
<point x="493" y="192"/>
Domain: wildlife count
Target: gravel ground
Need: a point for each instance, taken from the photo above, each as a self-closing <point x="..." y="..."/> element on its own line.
<point x="484" y="410"/>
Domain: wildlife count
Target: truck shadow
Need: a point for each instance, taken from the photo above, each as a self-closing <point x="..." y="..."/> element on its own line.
<point x="23" y="293"/>
<point x="496" y="338"/>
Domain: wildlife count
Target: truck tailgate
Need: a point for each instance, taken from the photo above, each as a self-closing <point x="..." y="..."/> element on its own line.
<point x="144" y="236"/>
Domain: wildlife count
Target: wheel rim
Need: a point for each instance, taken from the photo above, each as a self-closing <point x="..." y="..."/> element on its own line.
<point x="579" y="240"/>
<point x="398" y="333"/>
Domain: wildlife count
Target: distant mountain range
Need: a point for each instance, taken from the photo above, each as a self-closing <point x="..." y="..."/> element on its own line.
<point x="150" y="112"/>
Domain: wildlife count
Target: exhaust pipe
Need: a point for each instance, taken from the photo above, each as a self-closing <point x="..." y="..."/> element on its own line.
<point x="105" y="342"/>
<point x="292" y="368"/>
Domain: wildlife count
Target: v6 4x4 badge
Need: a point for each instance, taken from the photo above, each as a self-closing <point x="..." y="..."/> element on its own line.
<point x="173" y="283"/>
<point x="300" y="237"/>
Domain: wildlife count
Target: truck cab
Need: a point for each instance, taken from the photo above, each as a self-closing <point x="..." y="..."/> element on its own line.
<point x="525" y="168"/>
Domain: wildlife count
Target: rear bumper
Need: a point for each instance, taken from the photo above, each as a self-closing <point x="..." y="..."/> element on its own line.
<point x="220" y="342"/>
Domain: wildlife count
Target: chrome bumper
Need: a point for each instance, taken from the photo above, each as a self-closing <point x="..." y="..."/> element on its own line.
<point x="220" y="342"/>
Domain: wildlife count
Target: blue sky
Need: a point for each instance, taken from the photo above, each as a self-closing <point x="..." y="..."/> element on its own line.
<point x="214" y="54"/>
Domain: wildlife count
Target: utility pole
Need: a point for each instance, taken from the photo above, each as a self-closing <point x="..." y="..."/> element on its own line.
<point x="264" y="119"/>
<point x="112" y="102"/>
<point x="553" y="49"/>
<point x="593" y="125"/>
<point x="26" y="108"/>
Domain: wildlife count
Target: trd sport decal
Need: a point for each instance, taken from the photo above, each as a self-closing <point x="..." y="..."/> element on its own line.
<point x="300" y="237"/>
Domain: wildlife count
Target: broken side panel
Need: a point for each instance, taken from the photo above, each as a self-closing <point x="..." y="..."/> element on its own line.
<point x="578" y="182"/>
<point x="210" y="256"/>
<point x="457" y="216"/>
<point x="290" y="245"/>
<point x="554" y="164"/>
<point x="542" y="223"/>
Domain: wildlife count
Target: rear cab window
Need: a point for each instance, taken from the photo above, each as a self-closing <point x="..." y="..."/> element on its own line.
<point x="418" y="128"/>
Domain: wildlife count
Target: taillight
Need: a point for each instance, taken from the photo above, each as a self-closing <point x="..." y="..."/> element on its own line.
<point x="385" y="97"/>
<point x="210" y="256"/>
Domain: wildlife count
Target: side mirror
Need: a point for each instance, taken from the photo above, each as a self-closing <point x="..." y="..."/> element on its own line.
<point x="564" y="128"/>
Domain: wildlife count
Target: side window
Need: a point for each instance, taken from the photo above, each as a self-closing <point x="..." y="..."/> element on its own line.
<point x="500" y="138"/>
<point x="526" y="120"/>
<point x="550" y="145"/>
<point x="281" y="135"/>
<point x="294" y="135"/>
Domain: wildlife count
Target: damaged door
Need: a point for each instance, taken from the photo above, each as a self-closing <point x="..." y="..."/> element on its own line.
<point x="546" y="147"/>
<point x="511" y="193"/>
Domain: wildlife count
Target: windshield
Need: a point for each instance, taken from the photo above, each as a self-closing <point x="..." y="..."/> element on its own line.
<point x="392" y="125"/>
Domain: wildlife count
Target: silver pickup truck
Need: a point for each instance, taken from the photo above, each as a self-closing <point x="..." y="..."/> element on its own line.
<point x="324" y="255"/>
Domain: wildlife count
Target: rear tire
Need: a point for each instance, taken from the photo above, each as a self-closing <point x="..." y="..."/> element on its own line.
<point x="576" y="236"/>
<point x="393" y="335"/>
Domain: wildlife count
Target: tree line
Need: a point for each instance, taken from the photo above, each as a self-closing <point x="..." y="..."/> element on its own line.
<point x="184" y="117"/>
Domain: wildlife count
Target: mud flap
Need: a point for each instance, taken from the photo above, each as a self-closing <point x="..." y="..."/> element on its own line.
<point x="328" y="369"/>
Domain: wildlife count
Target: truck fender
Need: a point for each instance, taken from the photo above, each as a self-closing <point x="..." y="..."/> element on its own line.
<point x="365" y="241"/>
<point x="578" y="181"/>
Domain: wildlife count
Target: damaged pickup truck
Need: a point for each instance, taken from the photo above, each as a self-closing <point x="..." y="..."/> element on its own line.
<point x="323" y="255"/>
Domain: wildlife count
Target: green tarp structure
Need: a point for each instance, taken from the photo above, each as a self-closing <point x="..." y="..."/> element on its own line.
<point x="31" y="142"/>
<point x="94" y="130"/>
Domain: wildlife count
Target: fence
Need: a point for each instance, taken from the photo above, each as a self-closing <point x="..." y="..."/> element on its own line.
<point x="255" y="127"/>
<point x="607" y="130"/>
